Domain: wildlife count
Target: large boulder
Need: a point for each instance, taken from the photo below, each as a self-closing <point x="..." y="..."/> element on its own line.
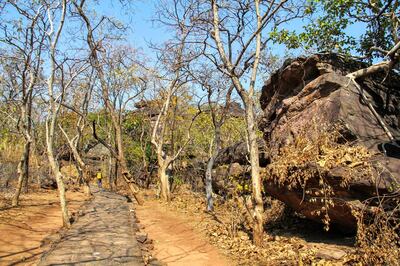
<point x="229" y="177"/>
<point x="307" y="95"/>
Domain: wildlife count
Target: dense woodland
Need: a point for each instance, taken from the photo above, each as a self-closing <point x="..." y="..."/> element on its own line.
<point x="76" y="97"/>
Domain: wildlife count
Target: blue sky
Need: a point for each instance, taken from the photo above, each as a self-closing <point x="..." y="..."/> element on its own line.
<point x="142" y="30"/>
<point x="139" y="19"/>
<point x="139" y="14"/>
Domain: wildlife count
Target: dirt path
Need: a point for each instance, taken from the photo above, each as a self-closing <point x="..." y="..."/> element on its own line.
<point x="175" y="241"/>
<point x="23" y="229"/>
<point x="104" y="234"/>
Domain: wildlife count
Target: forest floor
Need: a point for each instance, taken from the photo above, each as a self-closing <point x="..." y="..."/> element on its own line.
<point x="26" y="229"/>
<point x="177" y="233"/>
<point x="183" y="232"/>
<point x="176" y="240"/>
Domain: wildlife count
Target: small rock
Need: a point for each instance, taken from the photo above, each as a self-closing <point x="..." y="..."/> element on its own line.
<point x="155" y="262"/>
<point x="330" y="254"/>
<point x="141" y="237"/>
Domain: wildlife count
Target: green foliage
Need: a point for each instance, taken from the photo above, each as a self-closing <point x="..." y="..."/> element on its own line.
<point x="325" y="32"/>
<point x="328" y="29"/>
<point x="290" y="38"/>
<point x="328" y="34"/>
<point x="202" y="133"/>
<point x="137" y="134"/>
<point x="232" y="131"/>
<point x="133" y="151"/>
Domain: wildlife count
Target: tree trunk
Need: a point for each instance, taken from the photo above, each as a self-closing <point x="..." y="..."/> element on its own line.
<point x="86" y="186"/>
<point x="210" y="166"/>
<point x="209" y="189"/>
<point x="115" y="173"/>
<point x="23" y="167"/>
<point x="87" y="191"/>
<point x="258" y="216"/>
<point x="83" y="174"/>
<point x="122" y="160"/>
<point x="56" y="168"/>
<point x="110" y="174"/>
<point x="21" y="174"/>
<point x="163" y="173"/>
<point x="26" y="165"/>
<point x="79" y="164"/>
<point x="60" y="183"/>
<point x="63" y="201"/>
<point x="82" y="171"/>
<point x="87" y="175"/>
<point x="81" y="180"/>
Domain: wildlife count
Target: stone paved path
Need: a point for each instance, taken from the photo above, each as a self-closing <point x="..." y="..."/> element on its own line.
<point x="103" y="235"/>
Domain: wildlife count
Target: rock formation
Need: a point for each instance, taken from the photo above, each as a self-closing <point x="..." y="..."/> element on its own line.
<point x="238" y="153"/>
<point x="307" y="94"/>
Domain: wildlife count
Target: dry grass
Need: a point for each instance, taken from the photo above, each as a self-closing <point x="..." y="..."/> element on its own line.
<point x="378" y="234"/>
<point x="228" y="229"/>
<point x="319" y="150"/>
<point x="310" y="157"/>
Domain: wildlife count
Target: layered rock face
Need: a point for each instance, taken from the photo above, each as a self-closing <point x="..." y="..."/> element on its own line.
<point x="308" y="94"/>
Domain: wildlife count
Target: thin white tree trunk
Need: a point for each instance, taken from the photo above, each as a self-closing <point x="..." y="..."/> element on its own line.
<point x="258" y="216"/>
<point x="247" y="98"/>
<point x="53" y="111"/>
<point x="164" y="174"/>
<point x="55" y="167"/>
<point x="164" y="180"/>
<point x="209" y="188"/>
<point x="210" y="166"/>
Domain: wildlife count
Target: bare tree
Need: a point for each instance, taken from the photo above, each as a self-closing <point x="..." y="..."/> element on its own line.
<point x="247" y="98"/>
<point x="23" y="69"/>
<point x="219" y="101"/>
<point x="95" y="48"/>
<point x="176" y="55"/>
<point x="126" y="81"/>
<point x="218" y="118"/>
<point x="231" y="33"/>
<point x="81" y="123"/>
<point x="63" y="72"/>
<point x="54" y="105"/>
<point x="165" y="158"/>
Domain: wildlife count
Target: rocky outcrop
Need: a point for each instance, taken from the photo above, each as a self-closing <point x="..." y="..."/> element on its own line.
<point x="149" y="108"/>
<point x="238" y="153"/>
<point x="314" y="92"/>
<point x="235" y="110"/>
